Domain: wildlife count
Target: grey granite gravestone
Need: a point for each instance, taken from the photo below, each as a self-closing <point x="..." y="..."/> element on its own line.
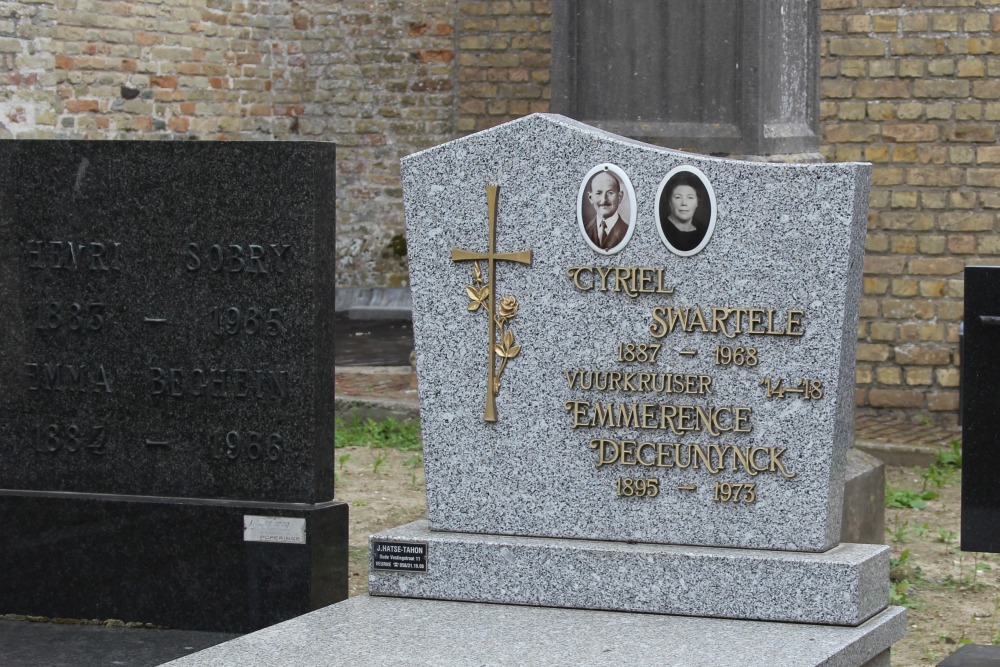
<point x="620" y="416"/>
<point x="675" y="396"/>
<point x="167" y="430"/>
<point x="727" y="363"/>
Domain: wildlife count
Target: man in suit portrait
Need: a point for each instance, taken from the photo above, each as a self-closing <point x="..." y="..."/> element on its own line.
<point x="607" y="229"/>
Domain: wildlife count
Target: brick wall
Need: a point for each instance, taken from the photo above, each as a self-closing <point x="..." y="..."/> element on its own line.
<point x="389" y="82"/>
<point x="912" y="87"/>
<point x="504" y="62"/>
<point x="156" y="69"/>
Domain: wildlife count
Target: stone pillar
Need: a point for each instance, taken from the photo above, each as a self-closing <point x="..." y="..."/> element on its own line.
<point x="709" y="76"/>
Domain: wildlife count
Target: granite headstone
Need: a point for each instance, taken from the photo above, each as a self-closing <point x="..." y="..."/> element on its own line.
<point x="167" y="411"/>
<point x="636" y="377"/>
<point x="641" y="382"/>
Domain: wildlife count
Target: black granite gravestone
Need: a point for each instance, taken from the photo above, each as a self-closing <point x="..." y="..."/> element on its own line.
<point x="981" y="411"/>
<point x="167" y="405"/>
<point x="980" y="419"/>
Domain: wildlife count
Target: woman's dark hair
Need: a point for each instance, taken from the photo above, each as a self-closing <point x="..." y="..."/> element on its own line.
<point x="704" y="211"/>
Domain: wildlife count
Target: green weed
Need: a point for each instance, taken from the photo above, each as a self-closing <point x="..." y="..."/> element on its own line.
<point x="900" y="532"/>
<point x="907" y="498"/>
<point x="342" y="460"/>
<point x="404" y="436"/>
<point x="379" y="462"/>
<point x="898" y="562"/>
<point x="952" y="458"/>
<point x="899" y="593"/>
<point x="946" y="536"/>
<point x="945" y="467"/>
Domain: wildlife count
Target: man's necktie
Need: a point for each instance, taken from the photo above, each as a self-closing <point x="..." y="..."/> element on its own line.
<point x="604" y="233"/>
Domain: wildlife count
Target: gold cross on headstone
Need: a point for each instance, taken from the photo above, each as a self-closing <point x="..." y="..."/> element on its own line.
<point x="505" y="345"/>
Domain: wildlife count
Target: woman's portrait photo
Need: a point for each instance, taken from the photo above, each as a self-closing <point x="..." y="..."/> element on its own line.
<point x="685" y="210"/>
<point x="606" y="208"/>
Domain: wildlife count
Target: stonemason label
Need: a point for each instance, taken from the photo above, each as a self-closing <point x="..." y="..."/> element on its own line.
<point x="275" y="529"/>
<point x="399" y="556"/>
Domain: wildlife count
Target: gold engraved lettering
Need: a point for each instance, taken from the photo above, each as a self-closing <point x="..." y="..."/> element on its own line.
<point x="659" y="383"/>
<point x="645" y="280"/>
<point x="776" y="465"/>
<point x="625" y="281"/>
<point x="730" y="322"/>
<point x="602" y="445"/>
<point x="658" y="327"/>
<point x="794" y="323"/>
<point x="724" y="492"/>
<point x="603" y="271"/>
<point x="613" y="380"/>
<point x="637" y="488"/>
<point x="630" y="280"/>
<point x="641" y="458"/>
<point x="751" y="460"/>
<point x="574" y="275"/>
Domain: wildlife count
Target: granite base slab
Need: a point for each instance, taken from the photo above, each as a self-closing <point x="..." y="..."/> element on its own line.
<point x="843" y="586"/>
<point x="180" y="563"/>
<point x="367" y="631"/>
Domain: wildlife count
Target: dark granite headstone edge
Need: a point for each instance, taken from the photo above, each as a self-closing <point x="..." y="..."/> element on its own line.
<point x="178" y="563"/>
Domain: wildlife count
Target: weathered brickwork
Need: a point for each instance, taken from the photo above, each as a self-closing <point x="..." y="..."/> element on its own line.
<point x="910" y="85"/>
<point x="155" y="69"/>
<point x="389" y="81"/>
<point x="504" y="61"/>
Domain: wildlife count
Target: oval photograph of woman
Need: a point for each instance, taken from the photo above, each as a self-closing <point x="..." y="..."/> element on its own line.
<point x="605" y="209"/>
<point x="685" y="210"/>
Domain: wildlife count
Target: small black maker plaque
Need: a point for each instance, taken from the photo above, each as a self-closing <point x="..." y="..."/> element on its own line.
<point x="399" y="556"/>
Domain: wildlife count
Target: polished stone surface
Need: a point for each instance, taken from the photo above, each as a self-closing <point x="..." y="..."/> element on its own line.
<point x="366" y="631"/>
<point x="169" y="363"/>
<point x="973" y="655"/>
<point x="787" y="237"/>
<point x="844" y="586"/>
<point x="210" y="261"/>
<point x="27" y="644"/>
<point x="980" y="416"/>
<point x="175" y="563"/>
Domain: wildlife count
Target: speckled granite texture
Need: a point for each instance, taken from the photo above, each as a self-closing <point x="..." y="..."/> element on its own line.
<point x="786" y="237"/>
<point x="367" y="631"/>
<point x="845" y="586"/>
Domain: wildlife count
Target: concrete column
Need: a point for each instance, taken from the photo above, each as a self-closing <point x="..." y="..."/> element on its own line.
<point x="732" y="77"/>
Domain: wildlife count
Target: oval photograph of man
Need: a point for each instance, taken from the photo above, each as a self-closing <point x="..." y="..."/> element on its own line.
<point x="606" y="209"/>
<point x="685" y="210"/>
